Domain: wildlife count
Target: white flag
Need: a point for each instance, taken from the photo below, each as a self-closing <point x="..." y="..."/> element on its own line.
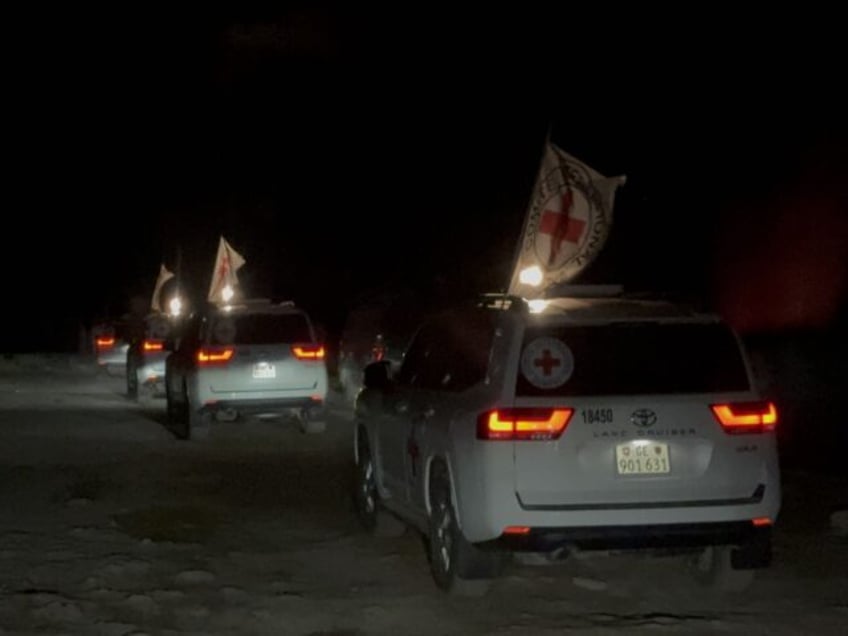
<point x="567" y="223"/>
<point x="164" y="276"/>
<point x="227" y="263"/>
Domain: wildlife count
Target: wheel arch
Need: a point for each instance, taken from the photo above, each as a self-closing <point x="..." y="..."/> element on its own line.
<point x="362" y="433"/>
<point x="432" y="461"/>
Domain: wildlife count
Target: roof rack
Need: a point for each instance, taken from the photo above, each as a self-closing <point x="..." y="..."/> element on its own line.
<point x="583" y="291"/>
<point x="501" y="301"/>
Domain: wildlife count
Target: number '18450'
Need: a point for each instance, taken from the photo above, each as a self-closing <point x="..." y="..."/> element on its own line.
<point x="597" y="416"/>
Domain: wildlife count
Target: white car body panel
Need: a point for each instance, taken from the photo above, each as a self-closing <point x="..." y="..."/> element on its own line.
<point x="572" y="481"/>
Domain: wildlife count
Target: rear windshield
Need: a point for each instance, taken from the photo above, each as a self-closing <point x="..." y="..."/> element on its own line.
<point x="260" y="329"/>
<point x="631" y="359"/>
<point x="158" y="327"/>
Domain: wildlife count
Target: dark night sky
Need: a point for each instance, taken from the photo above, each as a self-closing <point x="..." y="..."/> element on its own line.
<point x="341" y="150"/>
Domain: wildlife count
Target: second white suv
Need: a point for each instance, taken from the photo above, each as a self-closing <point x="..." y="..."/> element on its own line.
<point x="253" y="359"/>
<point x="596" y="423"/>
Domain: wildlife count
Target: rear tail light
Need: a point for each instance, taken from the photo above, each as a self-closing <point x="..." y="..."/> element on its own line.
<point x="523" y="423"/>
<point x="516" y="530"/>
<point x="211" y="356"/>
<point x="105" y="342"/>
<point x="308" y="351"/>
<point x="746" y="417"/>
<point x="150" y="346"/>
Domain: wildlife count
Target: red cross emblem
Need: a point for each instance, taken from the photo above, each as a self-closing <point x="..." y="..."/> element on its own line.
<point x="560" y="226"/>
<point x="225" y="265"/>
<point x="547" y="362"/>
<point x="223" y="271"/>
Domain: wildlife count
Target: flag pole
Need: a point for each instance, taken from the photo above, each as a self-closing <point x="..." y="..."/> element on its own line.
<point x="517" y="256"/>
<point x="178" y="272"/>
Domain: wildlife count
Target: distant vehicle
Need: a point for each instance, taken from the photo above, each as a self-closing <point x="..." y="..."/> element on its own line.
<point x="373" y="332"/>
<point x="145" y="357"/>
<point x="110" y="346"/>
<point x="596" y="423"/>
<point x="256" y="358"/>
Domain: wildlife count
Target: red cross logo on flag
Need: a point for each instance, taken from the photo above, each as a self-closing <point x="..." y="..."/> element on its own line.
<point x="227" y="263"/>
<point x="561" y="226"/>
<point x="566" y="225"/>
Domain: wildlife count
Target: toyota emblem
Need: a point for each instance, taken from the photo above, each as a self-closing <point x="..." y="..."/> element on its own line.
<point x="643" y="418"/>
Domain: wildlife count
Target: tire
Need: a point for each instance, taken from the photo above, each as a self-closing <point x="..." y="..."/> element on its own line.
<point x="712" y="568"/>
<point x="132" y="382"/>
<point x="374" y="519"/>
<point x="457" y="566"/>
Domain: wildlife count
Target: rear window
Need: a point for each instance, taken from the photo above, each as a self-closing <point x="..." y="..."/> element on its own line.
<point x="260" y="329"/>
<point x="631" y="359"/>
<point x="158" y="327"/>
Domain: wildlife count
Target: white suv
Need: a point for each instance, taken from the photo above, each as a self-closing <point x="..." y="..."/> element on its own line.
<point x="596" y="423"/>
<point x="256" y="358"/>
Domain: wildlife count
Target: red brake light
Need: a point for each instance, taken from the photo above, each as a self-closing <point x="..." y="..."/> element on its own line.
<point x="308" y="351"/>
<point x="519" y="530"/>
<point x="746" y="417"/>
<point x="153" y="345"/>
<point x="105" y="342"/>
<point x="221" y="355"/>
<point x="523" y="423"/>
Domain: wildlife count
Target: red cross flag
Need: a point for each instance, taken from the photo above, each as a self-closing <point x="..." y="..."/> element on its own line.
<point x="164" y="277"/>
<point x="224" y="280"/>
<point x="567" y="223"/>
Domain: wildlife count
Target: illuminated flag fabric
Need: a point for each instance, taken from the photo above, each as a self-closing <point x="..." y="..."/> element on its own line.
<point x="164" y="277"/>
<point x="567" y="223"/>
<point x="227" y="263"/>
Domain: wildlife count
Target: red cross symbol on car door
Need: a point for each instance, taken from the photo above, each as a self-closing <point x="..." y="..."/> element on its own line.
<point x="547" y="362"/>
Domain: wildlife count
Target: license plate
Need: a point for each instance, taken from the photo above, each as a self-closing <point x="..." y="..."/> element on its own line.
<point x="264" y="370"/>
<point x="642" y="457"/>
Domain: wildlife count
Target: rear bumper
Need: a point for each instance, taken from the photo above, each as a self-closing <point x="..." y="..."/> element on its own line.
<point x="487" y="503"/>
<point x="753" y="543"/>
<point x="313" y="409"/>
<point x="677" y="535"/>
<point x="152" y="372"/>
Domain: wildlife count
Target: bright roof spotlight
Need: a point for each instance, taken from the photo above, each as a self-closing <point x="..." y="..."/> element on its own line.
<point x="537" y="305"/>
<point x="175" y="306"/>
<point x="531" y="276"/>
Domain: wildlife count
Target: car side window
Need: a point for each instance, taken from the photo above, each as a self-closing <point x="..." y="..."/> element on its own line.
<point x="467" y="346"/>
<point x="435" y="371"/>
<point x="449" y="355"/>
<point x="415" y="358"/>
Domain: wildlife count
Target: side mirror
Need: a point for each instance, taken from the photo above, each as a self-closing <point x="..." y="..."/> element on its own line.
<point x="376" y="375"/>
